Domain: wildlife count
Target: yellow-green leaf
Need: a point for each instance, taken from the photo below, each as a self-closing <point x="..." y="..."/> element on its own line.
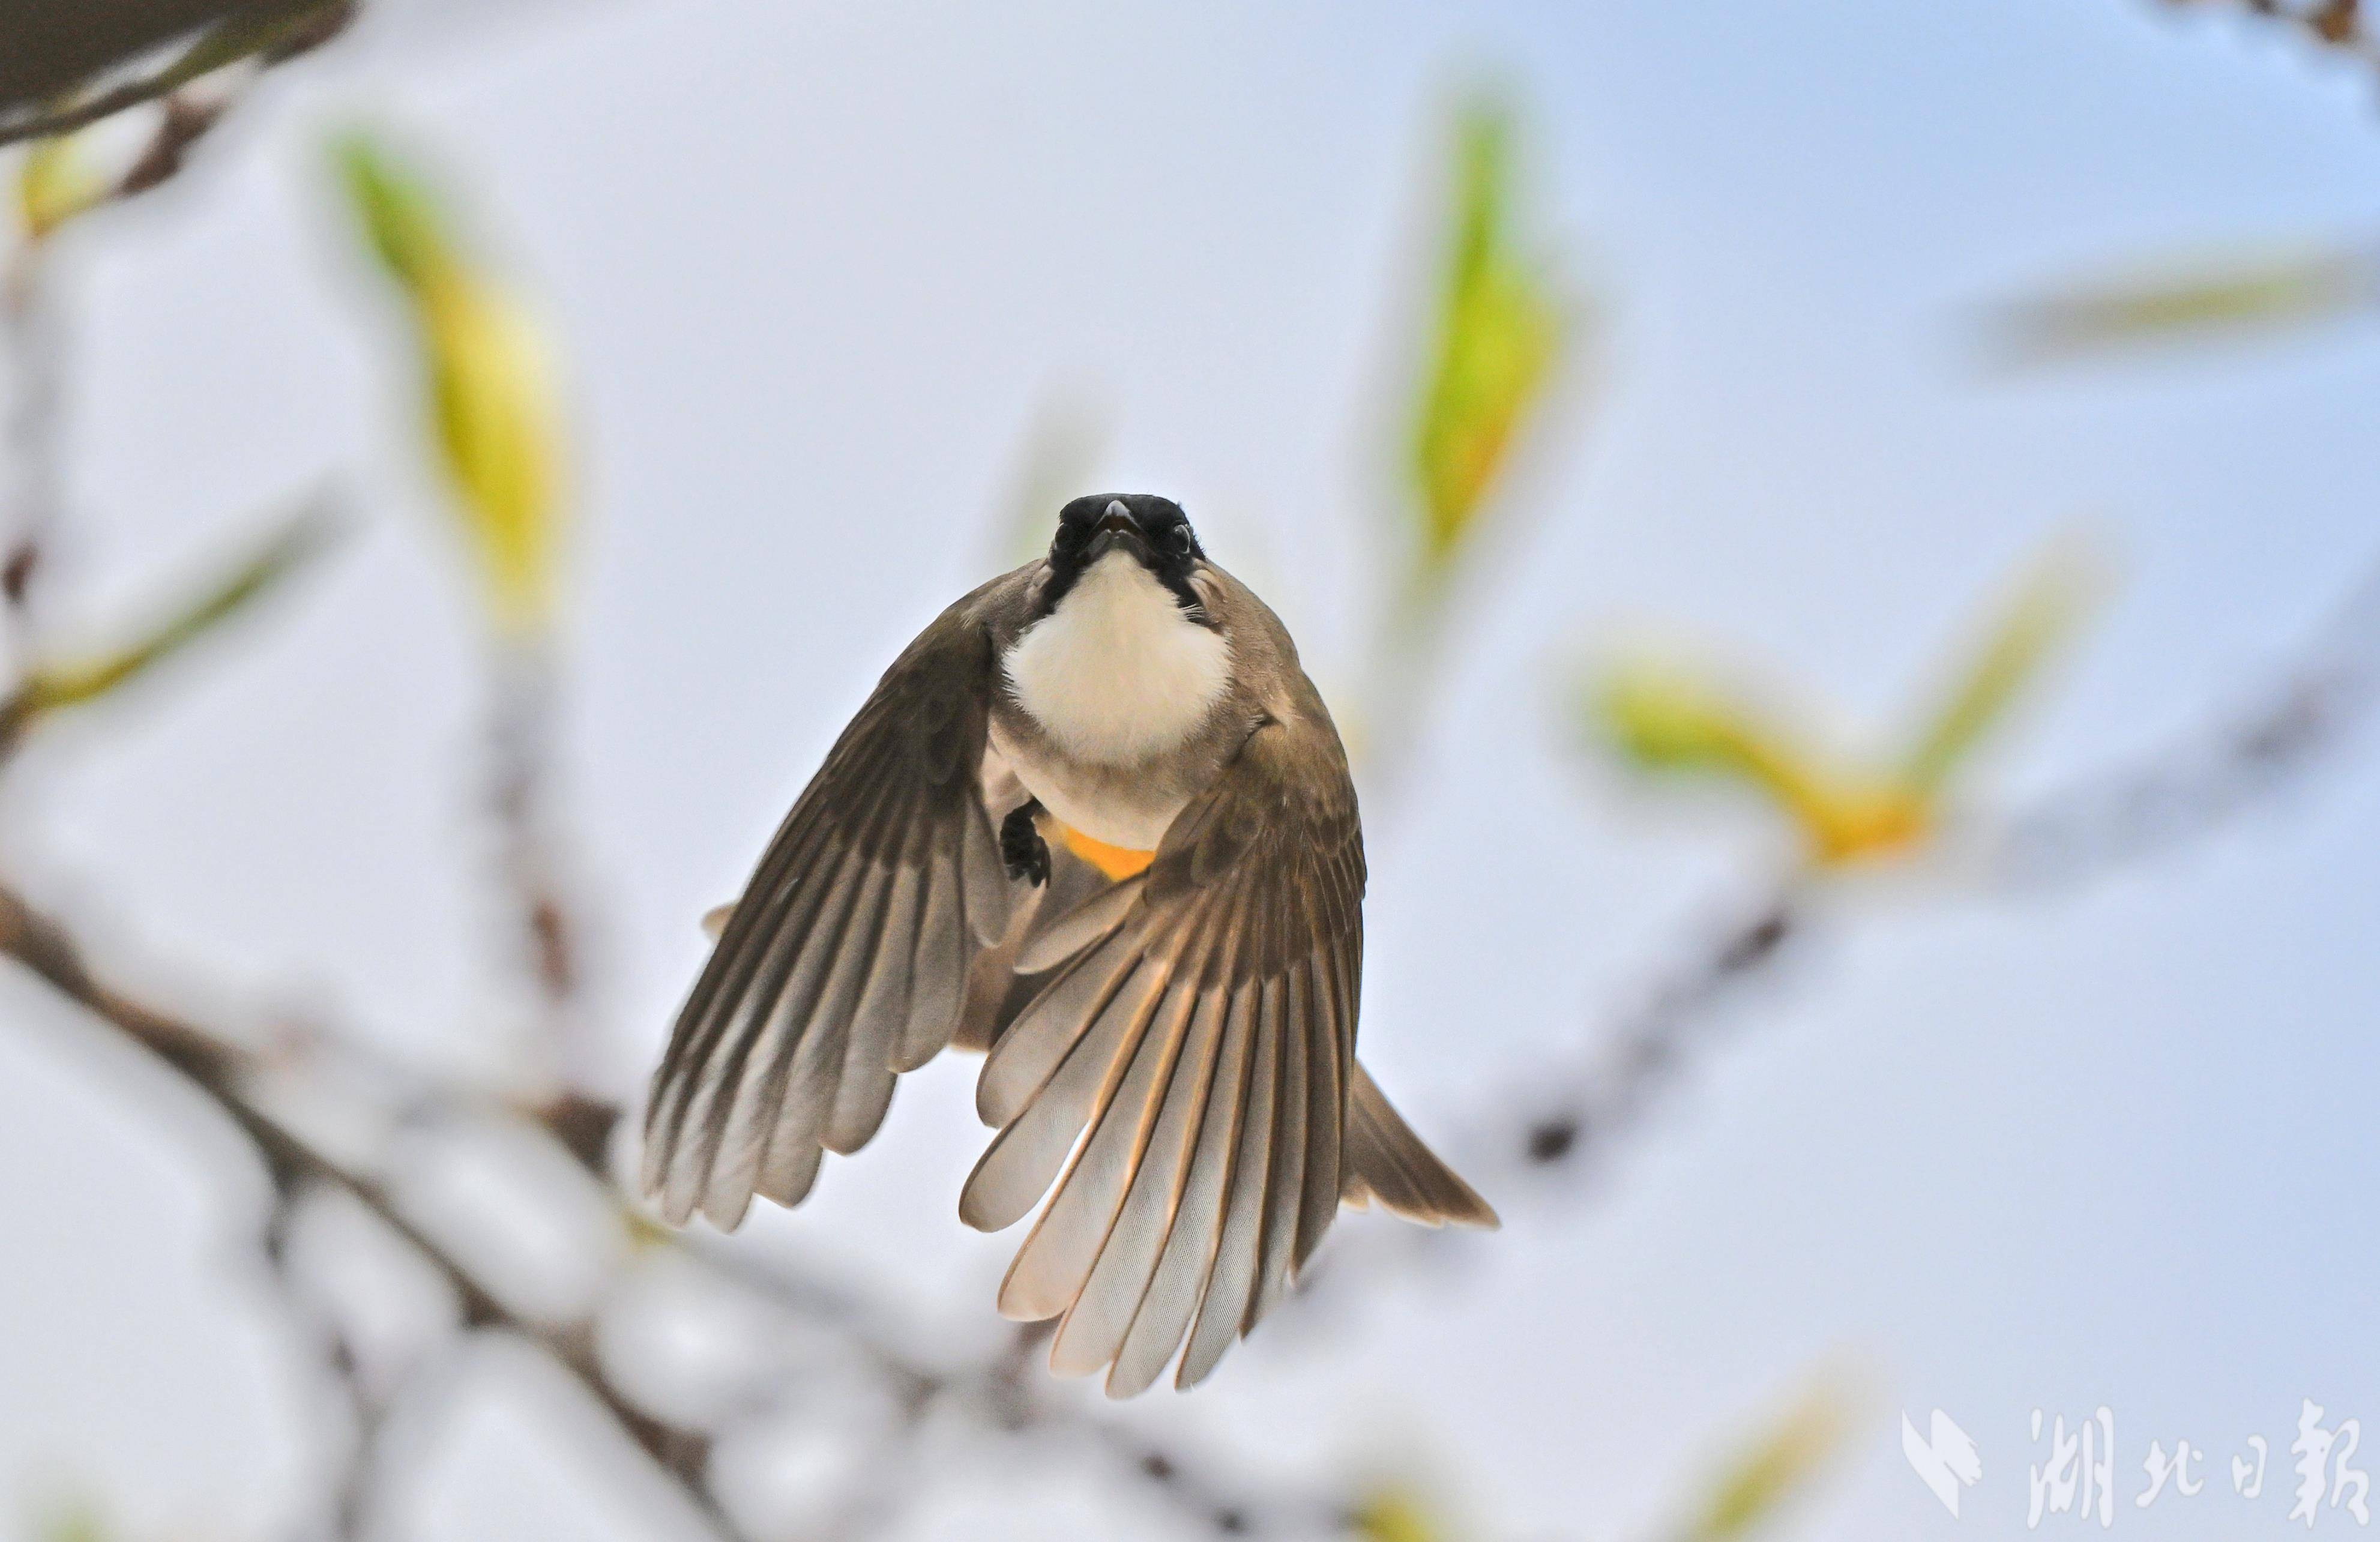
<point x="1668" y="720"/>
<point x="400" y="218"/>
<point x="494" y="417"/>
<point x="1781" y="1462"/>
<point x="498" y="429"/>
<point x="2041" y="613"/>
<point x="73" y="683"/>
<point x="1062" y="447"/>
<point x="1855" y="821"/>
<point x="2237" y="296"/>
<point x="79" y="1523"/>
<point x="1398" y="1514"/>
<point x="1499" y="332"/>
<point x="267" y="33"/>
<point x="54" y="183"/>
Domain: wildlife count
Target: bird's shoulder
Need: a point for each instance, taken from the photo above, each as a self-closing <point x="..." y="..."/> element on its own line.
<point x="1287" y="787"/>
<point x="1298" y="734"/>
<point x="930" y="703"/>
<point x="990" y="615"/>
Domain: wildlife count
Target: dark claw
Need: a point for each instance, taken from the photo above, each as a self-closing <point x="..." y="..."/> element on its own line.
<point x="1022" y="850"/>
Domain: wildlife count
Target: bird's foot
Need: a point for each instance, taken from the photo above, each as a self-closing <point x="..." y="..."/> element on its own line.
<point x="1022" y="850"/>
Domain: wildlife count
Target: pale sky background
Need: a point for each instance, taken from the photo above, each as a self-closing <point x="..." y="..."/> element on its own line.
<point x="813" y="270"/>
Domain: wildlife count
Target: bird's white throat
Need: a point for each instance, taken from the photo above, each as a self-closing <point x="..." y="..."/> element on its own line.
<point x="1117" y="673"/>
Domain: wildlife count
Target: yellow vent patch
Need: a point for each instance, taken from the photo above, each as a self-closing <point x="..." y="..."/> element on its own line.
<point x="1117" y="862"/>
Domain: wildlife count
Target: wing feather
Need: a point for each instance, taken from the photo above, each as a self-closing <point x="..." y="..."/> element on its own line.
<point x="862" y="1076"/>
<point x="939" y="950"/>
<point x="1177" y="1092"/>
<point x="769" y="1055"/>
<point x="1024" y="1160"/>
<point x="846" y="958"/>
<point x="1086" y="924"/>
<point x="1053" y="1266"/>
<point x="1021" y="1063"/>
<point x="1095" y="1325"/>
<point x="1193" y="1240"/>
<point x="1326" y="1112"/>
<point x="1224" y="1306"/>
<point x="1286" y="1182"/>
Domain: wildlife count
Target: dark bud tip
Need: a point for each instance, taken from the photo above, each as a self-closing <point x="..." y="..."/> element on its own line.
<point x="1757" y="942"/>
<point x="1550" y="1140"/>
<point x="16" y="574"/>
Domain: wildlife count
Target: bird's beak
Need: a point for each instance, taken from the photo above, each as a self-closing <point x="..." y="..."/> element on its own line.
<point x="1118" y="527"/>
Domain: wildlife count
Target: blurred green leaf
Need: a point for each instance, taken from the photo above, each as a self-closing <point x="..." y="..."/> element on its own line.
<point x="1398" y="1514"/>
<point x="272" y="34"/>
<point x="2237" y="296"/>
<point x="498" y="427"/>
<point x="77" y="1522"/>
<point x="270" y="29"/>
<point x="493" y="412"/>
<point x="2042" y="613"/>
<point x="1498" y="333"/>
<point x="55" y="183"/>
<point x="1782" y="1463"/>
<point x="52" y="686"/>
<point x="400" y="217"/>
<point x="1666" y="719"/>
<point x="1063" y="446"/>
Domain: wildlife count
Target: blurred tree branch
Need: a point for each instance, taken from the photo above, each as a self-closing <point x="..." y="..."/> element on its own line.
<point x="57" y="50"/>
<point x="1500" y="338"/>
<point x="255" y="1088"/>
<point x="1001" y="1395"/>
<point x="2340" y="26"/>
<point x="228" y="1076"/>
<point x="2257" y="289"/>
<point x="2237" y="759"/>
<point x="55" y="187"/>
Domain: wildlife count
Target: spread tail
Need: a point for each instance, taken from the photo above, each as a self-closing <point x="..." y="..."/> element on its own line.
<point x="1387" y="1163"/>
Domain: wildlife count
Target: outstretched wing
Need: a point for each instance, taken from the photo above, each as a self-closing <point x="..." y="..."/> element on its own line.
<point x="846" y="958"/>
<point x="1202" y="1033"/>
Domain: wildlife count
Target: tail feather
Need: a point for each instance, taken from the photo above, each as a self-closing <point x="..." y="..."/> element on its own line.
<point x="1387" y="1163"/>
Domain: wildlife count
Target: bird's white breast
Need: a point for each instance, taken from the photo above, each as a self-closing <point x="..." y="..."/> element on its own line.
<point x="1117" y="673"/>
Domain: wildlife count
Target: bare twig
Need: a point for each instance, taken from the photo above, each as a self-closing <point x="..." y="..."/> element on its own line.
<point x="224" y="1074"/>
<point x="2339" y="25"/>
<point x="35" y="337"/>
<point x="1601" y="1099"/>
<point x="2178" y="793"/>
<point x="266" y="32"/>
<point x="33" y="440"/>
<point x="534" y="876"/>
<point x="1004" y="1394"/>
<point x="2241" y="759"/>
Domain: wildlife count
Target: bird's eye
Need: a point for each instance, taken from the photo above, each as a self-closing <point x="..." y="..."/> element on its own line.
<point x="1180" y="538"/>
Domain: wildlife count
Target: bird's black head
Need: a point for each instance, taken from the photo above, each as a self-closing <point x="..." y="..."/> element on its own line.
<point x="1152" y="530"/>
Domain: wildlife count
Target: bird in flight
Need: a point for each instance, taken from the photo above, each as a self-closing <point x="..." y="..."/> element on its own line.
<point x="1095" y="823"/>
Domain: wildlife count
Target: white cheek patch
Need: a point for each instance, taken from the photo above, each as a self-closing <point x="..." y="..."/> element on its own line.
<point x="1116" y="674"/>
